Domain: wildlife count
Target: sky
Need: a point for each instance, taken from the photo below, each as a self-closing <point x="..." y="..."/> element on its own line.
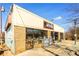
<point x="54" y="12"/>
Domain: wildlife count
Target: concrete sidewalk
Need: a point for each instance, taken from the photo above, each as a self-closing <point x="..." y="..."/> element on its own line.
<point x="65" y="48"/>
<point x="35" y="52"/>
<point x="57" y="51"/>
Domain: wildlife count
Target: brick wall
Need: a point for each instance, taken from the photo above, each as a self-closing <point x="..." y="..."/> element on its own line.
<point x="19" y="36"/>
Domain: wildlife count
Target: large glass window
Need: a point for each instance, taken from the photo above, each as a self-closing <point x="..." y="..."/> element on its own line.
<point x="34" y="37"/>
<point x="34" y="33"/>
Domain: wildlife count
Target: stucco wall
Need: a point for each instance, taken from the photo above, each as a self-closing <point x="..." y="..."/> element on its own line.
<point x="25" y="18"/>
<point x="22" y="17"/>
<point x="58" y="28"/>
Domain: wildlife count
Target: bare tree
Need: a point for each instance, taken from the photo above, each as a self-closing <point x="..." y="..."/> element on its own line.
<point x="74" y="17"/>
<point x="70" y="33"/>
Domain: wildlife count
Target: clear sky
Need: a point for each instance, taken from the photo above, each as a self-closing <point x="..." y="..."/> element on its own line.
<point x="49" y="11"/>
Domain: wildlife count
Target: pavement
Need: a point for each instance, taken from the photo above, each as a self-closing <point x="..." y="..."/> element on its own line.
<point x="6" y="50"/>
<point x="8" y="53"/>
<point x="36" y="52"/>
<point x="64" y="48"/>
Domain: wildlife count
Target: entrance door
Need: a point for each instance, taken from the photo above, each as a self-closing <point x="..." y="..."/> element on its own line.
<point x="56" y="35"/>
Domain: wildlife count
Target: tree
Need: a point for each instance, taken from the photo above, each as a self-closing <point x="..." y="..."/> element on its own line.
<point x="70" y="33"/>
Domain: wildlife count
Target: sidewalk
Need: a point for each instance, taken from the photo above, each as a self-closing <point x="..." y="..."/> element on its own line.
<point x="65" y="48"/>
<point x="7" y="52"/>
<point x="57" y="51"/>
<point x="35" y="52"/>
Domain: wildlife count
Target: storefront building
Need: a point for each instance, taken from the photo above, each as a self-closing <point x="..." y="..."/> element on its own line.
<point x="25" y="30"/>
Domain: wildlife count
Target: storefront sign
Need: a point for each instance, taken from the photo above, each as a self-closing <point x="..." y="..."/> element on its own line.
<point x="48" y="25"/>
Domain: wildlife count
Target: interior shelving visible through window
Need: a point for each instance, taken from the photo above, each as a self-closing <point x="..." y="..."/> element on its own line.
<point x="34" y="37"/>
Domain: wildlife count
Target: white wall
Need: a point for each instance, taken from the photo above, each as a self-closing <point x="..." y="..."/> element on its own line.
<point x="58" y="28"/>
<point x="22" y="17"/>
<point x="25" y="18"/>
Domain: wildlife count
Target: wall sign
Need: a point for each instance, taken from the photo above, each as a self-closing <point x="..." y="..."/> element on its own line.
<point x="48" y="25"/>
